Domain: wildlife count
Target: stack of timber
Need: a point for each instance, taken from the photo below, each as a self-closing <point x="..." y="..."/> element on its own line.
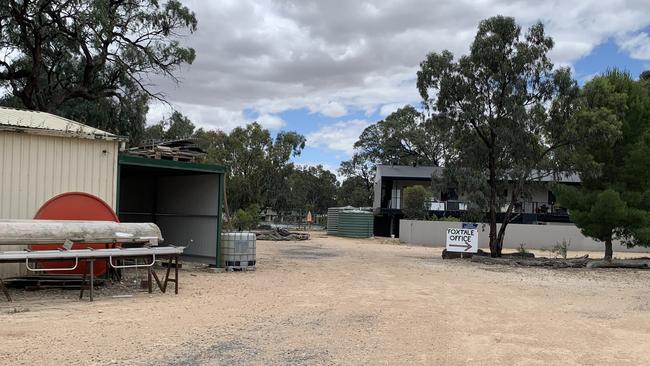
<point x="280" y="234"/>
<point x="187" y="150"/>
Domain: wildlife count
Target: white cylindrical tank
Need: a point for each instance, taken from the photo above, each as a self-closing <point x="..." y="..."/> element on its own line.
<point x="16" y="232"/>
<point x="237" y="250"/>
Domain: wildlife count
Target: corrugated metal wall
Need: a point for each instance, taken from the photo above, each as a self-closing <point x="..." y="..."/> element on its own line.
<point x="35" y="168"/>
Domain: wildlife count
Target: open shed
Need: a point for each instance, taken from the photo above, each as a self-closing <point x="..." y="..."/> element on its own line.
<point x="184" y="199"/>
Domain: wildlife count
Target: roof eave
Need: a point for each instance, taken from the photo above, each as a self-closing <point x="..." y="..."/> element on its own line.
<point x="47" y="132"/>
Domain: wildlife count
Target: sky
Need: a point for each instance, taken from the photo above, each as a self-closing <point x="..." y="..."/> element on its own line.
<point x="328" y="69"/>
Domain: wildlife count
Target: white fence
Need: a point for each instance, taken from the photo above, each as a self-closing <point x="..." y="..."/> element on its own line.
<point x="432" y="233"/>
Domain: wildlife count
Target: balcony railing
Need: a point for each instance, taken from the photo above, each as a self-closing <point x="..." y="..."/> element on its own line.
<point x="530" y="207"/>
<point x="447" y="206"/>
<point x="521" y="207"/>
<point x="543" y="208"/>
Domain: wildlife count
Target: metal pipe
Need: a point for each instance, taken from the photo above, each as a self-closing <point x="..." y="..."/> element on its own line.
<point x="20" y="232"/>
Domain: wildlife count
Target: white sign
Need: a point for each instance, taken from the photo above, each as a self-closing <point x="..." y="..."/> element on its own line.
<point x="462" y="240"/>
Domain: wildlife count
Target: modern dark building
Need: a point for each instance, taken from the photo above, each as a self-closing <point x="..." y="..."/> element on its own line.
<point x="391" y="180"/>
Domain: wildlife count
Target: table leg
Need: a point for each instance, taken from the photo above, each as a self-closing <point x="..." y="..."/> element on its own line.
<point x="83" y="285"/>
<point x="92" y="278"/>
<point x="4" y="290"/>
<point x="149" y="284"/>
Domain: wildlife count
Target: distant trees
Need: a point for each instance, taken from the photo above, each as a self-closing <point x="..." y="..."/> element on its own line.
<point x="246" y="219"/>
<point x="613" y="200"/>
<point x="354" y="192"/>
<point x="415" y="200"/>
<point x="312" y="189"/>
<point x="404" y="137"/>
<point x="175" y="127"/>
<point x="508" y="115"/>
<point x="89" y="60"/>
<point x="259" y="165"/>
<point x="357" y="188"/>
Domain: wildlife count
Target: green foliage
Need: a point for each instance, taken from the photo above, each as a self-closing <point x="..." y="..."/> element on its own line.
<point x="122" y="116"/>
<point x="449" y="219"/>
<point x="260" y="171"/>
<point x="176" y="127"/>
<point x="246" y="219"/>
<point x="312" y="189"/>
<point x="214" y="143"/>
<point x="405" y="137"/>
<point x="473" y="214"/>
<point x="415" y="199"/>
<point x="508" y="115"/>
<point x="359" y="183"/>
<point x="644" y="78"/>
<point x="522" y="248"/>
<point x="88" y="61"/>
<point x="354" y="192"/>
<point x="59" y="51"/>
<point x="445" y="218"/>
<point x="613" y="201"/>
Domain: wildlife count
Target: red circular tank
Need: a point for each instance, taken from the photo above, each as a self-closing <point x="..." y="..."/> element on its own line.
<point x="75" y="206"/>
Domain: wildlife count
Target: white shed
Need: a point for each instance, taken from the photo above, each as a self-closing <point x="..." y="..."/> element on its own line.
<point x="43" y="155"/>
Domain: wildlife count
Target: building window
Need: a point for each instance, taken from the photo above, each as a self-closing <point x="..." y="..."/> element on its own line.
<point x="396" y="198"/>
<point x="551" y="198"/>
<point x="450" y="195"/>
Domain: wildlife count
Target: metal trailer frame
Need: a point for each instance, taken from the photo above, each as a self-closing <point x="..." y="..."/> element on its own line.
<point x="90" y="255"/>
<point x="199" y="168"/>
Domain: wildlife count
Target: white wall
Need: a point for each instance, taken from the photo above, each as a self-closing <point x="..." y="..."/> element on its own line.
<point x="433" y="233"/>
<point x="35" y="168"/>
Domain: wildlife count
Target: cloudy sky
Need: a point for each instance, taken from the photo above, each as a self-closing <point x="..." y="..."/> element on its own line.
<point x="328" y="69"/>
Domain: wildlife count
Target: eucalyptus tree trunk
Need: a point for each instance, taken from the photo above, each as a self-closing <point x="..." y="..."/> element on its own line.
<point x="495" y="248"/>
<point x="517" y="189"/>
<point x="608" y="249"/>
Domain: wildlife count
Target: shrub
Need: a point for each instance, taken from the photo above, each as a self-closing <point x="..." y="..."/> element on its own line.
<point x="561" y="248"/>
<point x="522" y="248"/>
<point x="246" y="219"/>
<point x="449" y="219"/>
<point x="415" y="200"/>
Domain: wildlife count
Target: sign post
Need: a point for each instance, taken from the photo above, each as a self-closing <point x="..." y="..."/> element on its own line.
<point x="462" y="240"/>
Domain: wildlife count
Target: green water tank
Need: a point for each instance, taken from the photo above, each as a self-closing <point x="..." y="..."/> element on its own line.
<point x="333" y="220"/>
<point x="355" y="224"/>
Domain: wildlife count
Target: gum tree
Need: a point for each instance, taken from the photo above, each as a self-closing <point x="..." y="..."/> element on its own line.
<point x="508" y="112"/>
<point x="91" y="60"/>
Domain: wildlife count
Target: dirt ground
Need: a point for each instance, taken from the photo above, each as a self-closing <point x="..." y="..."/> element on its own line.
<point x="344" y="301"/>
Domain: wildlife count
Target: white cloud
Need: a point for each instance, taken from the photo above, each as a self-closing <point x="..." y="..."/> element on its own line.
<point x="210" y="117"/>
<point x="387" y="109"/>
<point x="336" y="56"/>
<point x="637" y="45"/>
<point x="588" y="77"/>
<point x="271" y="122"/>
<point x="338" y="137"/>
<point x="333" y="109"/>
